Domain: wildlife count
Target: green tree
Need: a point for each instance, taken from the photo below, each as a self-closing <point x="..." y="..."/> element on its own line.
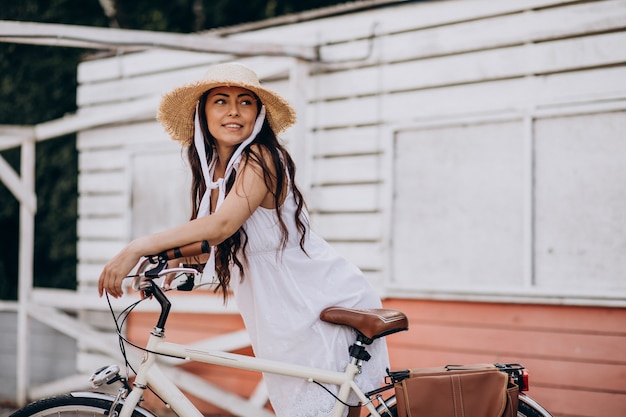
<point x="38" y="83"/>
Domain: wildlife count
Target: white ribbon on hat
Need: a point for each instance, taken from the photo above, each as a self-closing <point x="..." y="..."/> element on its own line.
<point x="208" y="169"/>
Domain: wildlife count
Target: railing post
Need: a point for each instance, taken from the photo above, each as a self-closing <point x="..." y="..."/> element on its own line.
<point x="28" y="207"/>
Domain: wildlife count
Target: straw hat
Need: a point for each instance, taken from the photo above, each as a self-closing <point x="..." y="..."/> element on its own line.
<point x="178" y="107"/>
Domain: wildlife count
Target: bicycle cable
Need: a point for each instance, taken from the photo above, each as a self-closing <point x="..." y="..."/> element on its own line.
<point x="335" y="396"/>
<point x="118" y="328"/>
<point x="123" y="315"/>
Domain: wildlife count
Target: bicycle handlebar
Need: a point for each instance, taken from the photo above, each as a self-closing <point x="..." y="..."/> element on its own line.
<point x="139" y="284"/>
<point x="161" y="260"/>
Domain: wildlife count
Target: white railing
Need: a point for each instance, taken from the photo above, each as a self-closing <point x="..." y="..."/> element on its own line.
<point x="58" y="310"/>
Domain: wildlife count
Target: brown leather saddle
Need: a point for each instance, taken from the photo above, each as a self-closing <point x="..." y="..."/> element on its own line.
<point x="371" y="323"/>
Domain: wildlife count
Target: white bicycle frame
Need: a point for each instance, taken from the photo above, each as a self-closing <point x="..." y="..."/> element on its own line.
<point x="149" y="374"/>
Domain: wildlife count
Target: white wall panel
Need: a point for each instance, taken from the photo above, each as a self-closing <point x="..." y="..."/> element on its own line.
<point x="581" y="202"/>
<point x="457" y="209"/>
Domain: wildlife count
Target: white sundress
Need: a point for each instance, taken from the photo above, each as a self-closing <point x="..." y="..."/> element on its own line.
<point x="280" y="299"/>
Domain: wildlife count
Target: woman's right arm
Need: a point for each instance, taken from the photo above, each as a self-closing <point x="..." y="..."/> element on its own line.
<point x="247" y="194"/>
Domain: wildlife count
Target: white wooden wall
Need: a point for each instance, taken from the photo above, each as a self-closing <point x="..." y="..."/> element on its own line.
<point x="451" y="148"/>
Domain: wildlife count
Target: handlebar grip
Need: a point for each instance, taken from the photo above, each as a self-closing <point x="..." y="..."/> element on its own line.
<point x="192" y="249"/>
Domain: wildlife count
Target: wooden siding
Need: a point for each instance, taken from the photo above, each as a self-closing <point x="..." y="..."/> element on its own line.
<point x="383" y="71"/>
<point x="574" y="354"/>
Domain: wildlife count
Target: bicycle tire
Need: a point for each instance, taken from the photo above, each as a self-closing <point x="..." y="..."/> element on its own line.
<point x="527" y="407"/>
<point x="86" y="404"/>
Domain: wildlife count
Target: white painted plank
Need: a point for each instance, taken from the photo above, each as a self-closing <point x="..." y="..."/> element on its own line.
<point x="125" y="135"/>
<point x="352" y="226"/>
<point x="78" y="382"/>
<point x="365" y="255"/>
<point x="351" y="112"/>
<point x="151" y="83"/>
<point x="580" y="87"/>
<point x="20" y="190"/>
<point x="399" y="18"/>
<point x="88" y="361"/>
<point x="345" y="170"/>
<point x="425" y="104"/>
<point x="134" y="64"/>
<point x="508" y="62"/>
<point x="198" y="301"/>
<point x="113" y="159"/>
<point x="487" y="97"/>
<point x="349" y="141"/>
<point x="129" y="88"/>
<point x="345" y="198"/>
<point x="102" y="205"/>
<point x="88" y="273"/>
<point x="103" y="228"/>
<point x="377" y="280"/>
<point x="136" y="110"/>
<point x="157" y="61"/>
<point x="102" y="182"/>
<point x="420" y="27"/>
<point x="472" y="35"/>
<point x="98" y="250"/>
<point x="12" y="136"/>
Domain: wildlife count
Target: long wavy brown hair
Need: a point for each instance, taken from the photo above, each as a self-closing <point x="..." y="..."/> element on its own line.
<point x="227" y="253"/>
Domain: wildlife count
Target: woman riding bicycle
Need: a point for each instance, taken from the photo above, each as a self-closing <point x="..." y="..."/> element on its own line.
<point x="246" y="204"/>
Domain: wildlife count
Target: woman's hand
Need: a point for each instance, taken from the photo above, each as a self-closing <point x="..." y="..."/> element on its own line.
<point x="167" y="281"/>
<point x="116" y="270"/>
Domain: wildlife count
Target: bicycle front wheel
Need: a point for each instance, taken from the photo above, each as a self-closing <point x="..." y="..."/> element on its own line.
<point x="86" y="404"/>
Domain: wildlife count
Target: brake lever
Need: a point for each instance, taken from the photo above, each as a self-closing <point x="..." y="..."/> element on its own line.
<point x="189" y="284"/>
<point x="160" y="262"/>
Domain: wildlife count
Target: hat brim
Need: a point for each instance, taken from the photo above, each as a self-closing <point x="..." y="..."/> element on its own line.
<point x="177" y="108"/>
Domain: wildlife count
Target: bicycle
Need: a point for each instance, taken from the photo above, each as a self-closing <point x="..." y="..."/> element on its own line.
<point x="368" y="325"/>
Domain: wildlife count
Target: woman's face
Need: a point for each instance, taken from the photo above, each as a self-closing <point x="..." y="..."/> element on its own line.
<point x="230" y="113"/>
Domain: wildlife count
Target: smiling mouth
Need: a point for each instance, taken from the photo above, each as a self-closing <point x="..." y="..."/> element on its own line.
<point x="233" y="126"/>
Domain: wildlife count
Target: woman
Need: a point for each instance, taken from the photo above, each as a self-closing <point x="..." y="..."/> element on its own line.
<point x="247" y="206"/>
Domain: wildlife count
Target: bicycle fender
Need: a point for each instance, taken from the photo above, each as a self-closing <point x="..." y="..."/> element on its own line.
<point x="109" y="397"/>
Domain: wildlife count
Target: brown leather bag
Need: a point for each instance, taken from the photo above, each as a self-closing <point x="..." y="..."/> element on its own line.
<point x="480" y="390"/>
